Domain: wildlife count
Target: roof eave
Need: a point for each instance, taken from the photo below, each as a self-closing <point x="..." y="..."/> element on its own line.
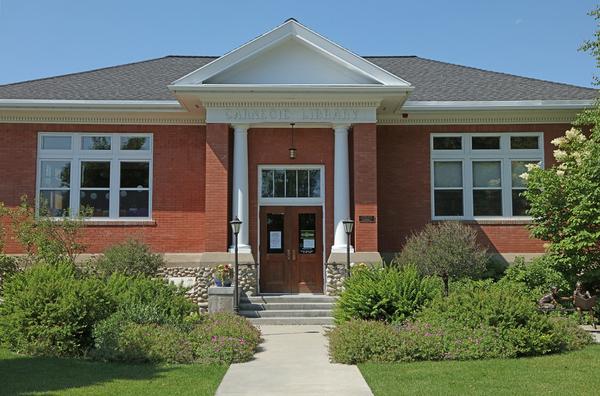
<point x="575" y="104"/>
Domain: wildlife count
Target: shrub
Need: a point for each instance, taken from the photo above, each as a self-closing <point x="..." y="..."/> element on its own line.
<point x="48" y="310"/>
<point x="142" y="297"/>
<point x="8" y="267"/>
<point x="479" y="320"/>
<point x="538" y="275"/>
<point x="389" y="294"/>
<point x="216" y="338"/>
<point x="449" y="250"/>
<point x="129" y="258"/>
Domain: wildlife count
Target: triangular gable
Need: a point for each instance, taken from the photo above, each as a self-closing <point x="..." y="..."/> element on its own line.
<point x="291" y="54"/>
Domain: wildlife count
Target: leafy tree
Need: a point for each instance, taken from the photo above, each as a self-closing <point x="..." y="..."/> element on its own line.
<point x="565" y="198"/>
<point x="449" y="250"/>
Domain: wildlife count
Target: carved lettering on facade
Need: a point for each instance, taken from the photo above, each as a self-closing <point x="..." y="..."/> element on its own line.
<point x="291" y="114"/>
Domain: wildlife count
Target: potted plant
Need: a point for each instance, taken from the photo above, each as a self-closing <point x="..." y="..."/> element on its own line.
<point x="223" y="273"/>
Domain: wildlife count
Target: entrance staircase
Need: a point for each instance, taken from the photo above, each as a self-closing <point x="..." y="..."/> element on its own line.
<point x="288" y="309"/>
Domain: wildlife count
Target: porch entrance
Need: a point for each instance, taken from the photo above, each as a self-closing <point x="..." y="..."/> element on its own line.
<point x="291" y="249"/>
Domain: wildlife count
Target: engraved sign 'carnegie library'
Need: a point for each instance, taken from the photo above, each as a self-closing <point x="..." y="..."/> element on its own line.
<point x="290" y="114"/>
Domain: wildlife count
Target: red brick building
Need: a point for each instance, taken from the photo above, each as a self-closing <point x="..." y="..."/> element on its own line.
<point x="169" y="150"/>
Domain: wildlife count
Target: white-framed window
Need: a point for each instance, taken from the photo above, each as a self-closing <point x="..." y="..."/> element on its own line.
<point x="291" y="184"/>
<point x="110" y="174"/>
<point x="477" y="175"/>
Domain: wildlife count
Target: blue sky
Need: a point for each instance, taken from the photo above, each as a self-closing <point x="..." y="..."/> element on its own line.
<point x="534" y="38"/>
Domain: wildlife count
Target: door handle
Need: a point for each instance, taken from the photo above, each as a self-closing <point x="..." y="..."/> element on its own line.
<point x="289" y="257"/>
<point x="293" y="254"/>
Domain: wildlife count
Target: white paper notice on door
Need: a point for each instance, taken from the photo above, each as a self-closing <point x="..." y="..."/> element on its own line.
<point x="275" y="240"/>
<point x="308" y="243"/>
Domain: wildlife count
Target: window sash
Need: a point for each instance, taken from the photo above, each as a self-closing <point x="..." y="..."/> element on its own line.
<point x="505" y="155"/>
<point x="114" y="156"/>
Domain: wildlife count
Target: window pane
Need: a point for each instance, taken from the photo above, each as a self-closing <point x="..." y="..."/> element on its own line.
<point x="487" y="202"/>
<point x="519" y="204"/>
<point x="133" y="204"/>
<point x="135" y="174"/>
<point x="447" y="143"/>
<point x="54" y="203"/>
<point x="315" y="183"/>
<point x="307" y="233"/>
<point x="524" y="142"/>
<point x="486" y="174"/>
<point x="279" y="183"/>
<point x="290" y="183"/>
<point x="303" y="183"/>
<point x="95" y="143"/>
<point x="275" y="240"/>
<point x="55" y="174"/>
<point x="135" y="143"/>
<point x="267" y="184"/>
<point x="485" y="143"/>
<point x="447" y="174"/>
<point x="97" y="200"/>
<point x="95" y="174"/>
<point x="448" y="202"/>
<point x="517" y="169"/>
<point x="56" y="142"/>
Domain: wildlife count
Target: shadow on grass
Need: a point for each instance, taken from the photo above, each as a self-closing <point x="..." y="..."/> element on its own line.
<point x="28" y="374"/>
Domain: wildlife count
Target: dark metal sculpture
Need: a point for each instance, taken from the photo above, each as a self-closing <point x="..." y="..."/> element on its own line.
<point x="583" y="304"/>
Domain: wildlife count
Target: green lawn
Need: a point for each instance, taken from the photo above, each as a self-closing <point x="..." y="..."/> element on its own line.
<point x="21" y="375"/>
<point x="574" y="373"/>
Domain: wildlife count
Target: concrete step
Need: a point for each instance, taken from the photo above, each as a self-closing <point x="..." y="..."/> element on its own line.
<point x="324" y="321"/>
<point x="247" y="306"/>
<point x="293" y="313"/>
<point x="289" y="298"/>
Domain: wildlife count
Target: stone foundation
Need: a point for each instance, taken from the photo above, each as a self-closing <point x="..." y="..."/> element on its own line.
<point x="198" y="279"/>
<point x="335" y="275"/>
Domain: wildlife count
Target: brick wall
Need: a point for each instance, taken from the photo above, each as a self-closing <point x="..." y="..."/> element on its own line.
<point x="178" y="172"/>
<point x="364" y="181"/>
<point x="404" y="198"/>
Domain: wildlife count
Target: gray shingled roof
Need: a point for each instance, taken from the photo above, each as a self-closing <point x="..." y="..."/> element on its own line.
<point x="433" y="81"/>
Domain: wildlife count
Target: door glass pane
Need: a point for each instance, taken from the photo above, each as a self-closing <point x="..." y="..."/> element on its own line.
<point x="485" y="143"/>
<point x="447" y="143"/>
<point x="487" y="202"/>
<point x="307" y="233"/>
<point x="303" y="183"/>
<point x="95" y="174"/>
<point x="134" y="174"/>
<point x="315" y="183"/>
<point x="279" y="176"/>
<point x="135" y="143"/>
<point x="95" y="200"/>
<point x="267" y="184"/>
<point x="54" y="203"/>
<point x="524" y="142"/>
<point x="56" y="142"/>
<point x="133" y="203"/>
<point x="55" y="174"/>
<point x="486" y="174"/>
<point x="95" y="143"/>
<point x="448" y="202"/>
<point x="275" y="242"/>
<point x="290" y="183"/>
<point x="447" y="174"/>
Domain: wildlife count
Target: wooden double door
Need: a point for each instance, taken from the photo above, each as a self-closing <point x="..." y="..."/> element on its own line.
<point x="291" y="249"/>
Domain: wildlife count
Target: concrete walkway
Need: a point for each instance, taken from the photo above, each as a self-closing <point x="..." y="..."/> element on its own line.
<point x="293" y="360"/>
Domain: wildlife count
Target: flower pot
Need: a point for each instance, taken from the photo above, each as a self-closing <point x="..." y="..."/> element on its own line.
<point x="222" y="283"/>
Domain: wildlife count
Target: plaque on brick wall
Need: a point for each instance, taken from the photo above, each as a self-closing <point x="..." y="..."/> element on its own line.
<point x="366" y="219"/>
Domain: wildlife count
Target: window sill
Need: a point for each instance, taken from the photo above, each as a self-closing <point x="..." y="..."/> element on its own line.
<point x="490" y="221"/>
<point x="120" y="223"/>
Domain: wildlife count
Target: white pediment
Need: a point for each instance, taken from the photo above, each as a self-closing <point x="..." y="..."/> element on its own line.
<point x="292" y="61"/>
<point x="290" y="54"/>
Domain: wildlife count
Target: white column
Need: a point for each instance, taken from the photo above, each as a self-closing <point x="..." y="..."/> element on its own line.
<point x="239" y="206"/>
<point x="341" y="188"/>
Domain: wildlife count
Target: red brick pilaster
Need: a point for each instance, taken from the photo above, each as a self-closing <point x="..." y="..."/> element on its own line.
<point x="364" y="142"/>
<point x="216" y="226"/>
